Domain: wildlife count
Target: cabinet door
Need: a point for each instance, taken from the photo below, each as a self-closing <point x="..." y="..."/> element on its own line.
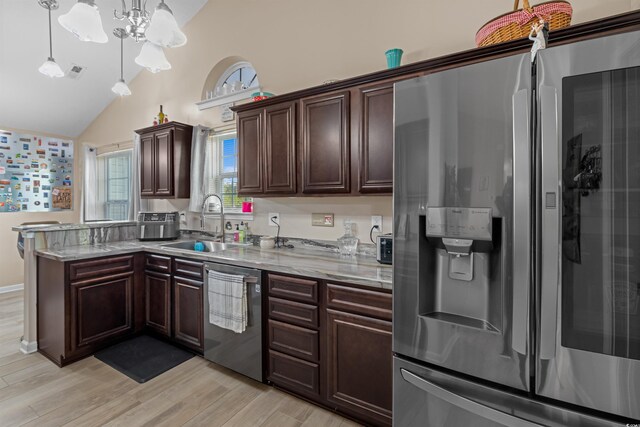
<point x="376" y="140"/>
<point x="163" y="163"/>
<point x="147" y="165"/>
<point x="158" y="302"/>
<point x="280" y="149"/>
<point x="359" y="366"/>
<point x="101" y="310"/>
<point x="325" y="144"/>
<point x="250" y="136"/>
<point x="188" y="313"/>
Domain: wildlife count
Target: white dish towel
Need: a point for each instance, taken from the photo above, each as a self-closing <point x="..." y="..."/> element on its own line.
<point x="227" y="301"/>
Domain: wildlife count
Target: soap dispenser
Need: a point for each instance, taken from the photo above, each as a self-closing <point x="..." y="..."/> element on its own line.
<point x="348" y="242"/>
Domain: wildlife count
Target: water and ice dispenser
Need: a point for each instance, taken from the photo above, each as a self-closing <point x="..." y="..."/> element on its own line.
<point x="460" y="263"/>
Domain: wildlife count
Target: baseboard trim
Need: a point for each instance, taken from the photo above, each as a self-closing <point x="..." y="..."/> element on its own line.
<point x="11" y="288"/>
<point x="28" y="347"/>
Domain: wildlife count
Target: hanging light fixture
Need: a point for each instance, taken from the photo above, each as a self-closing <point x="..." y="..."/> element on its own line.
<point x="152" y="58"/>
<point x="138" y="18"/>
<point x="164" y="30"/>
<point x="50" y="68"/>
<point x="121" y="88"/>
<point x="83" y="20"/>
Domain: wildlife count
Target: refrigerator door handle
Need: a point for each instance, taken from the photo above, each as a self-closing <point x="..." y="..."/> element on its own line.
<point x="551" y="208"/>
<point x="476" y="408"/>
<point x="521" y="222"/>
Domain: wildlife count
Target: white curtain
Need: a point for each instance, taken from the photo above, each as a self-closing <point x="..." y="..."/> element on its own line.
<point x="137" y="203"/>
<point x="89" y="205"/>
<point x="201" y="167"/>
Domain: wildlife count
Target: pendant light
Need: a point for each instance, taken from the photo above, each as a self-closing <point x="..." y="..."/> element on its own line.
<point x="164" y="30"/>
<point x="152" y="58"/>
<point x="121" y="88"/>
<point x="83" y="20"/>
<point x="50" y="68"/>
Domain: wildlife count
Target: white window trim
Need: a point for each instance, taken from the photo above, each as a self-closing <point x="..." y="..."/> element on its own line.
<point x="105" y="157"/>
<point x="240" y="95"/>
<point x="215" y="138"/>
<point x="232" y="69"/>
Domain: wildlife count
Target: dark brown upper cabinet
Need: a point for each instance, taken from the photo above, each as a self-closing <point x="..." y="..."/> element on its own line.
<point x="250" y="138"/>
<point x="280" y="149"/>
<point x="375" y="148"/>
<point x="165" y="163"/>
<point x="267" y="150"/>
<point x="325" y="144"/>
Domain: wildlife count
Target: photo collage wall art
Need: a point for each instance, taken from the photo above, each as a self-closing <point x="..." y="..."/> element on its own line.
<point x="36" y="173"/>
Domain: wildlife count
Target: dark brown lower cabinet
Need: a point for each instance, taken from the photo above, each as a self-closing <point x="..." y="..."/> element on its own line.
<point x="158" y="302"/>
<point x="101" y="309"/>
<point x="188" y="313"/>
<point x="359" y="366"/>
<point x="296" y="375"/>
<point x="331" y="343"/>
<point x="86" y="305"/>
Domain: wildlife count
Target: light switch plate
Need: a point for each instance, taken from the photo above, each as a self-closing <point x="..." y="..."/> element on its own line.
<point x="322" y="219"/>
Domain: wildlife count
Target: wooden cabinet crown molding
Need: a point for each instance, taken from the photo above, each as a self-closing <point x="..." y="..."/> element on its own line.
<point x="162" y="127"/>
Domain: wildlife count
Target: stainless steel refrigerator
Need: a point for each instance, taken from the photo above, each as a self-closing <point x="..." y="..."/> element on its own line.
<point x="517" y="240"/>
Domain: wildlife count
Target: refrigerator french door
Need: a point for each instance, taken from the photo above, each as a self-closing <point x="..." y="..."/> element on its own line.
<point x="462" y="221"/>
<point x="588" y="351"/>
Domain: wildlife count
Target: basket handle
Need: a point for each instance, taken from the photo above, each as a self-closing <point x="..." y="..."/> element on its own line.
<point x="525" y="5"/>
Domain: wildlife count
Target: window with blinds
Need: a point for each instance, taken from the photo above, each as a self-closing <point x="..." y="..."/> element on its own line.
<point x="117" y="182"/>
<point x="224" y="162"/>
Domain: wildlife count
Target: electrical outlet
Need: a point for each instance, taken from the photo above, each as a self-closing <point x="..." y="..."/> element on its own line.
<point x="274" y="217"/>
<point x="376" y="220"/>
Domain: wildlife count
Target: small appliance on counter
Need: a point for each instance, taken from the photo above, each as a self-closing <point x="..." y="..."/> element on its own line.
<point x="384" y="249"/>
<point x="158" y="226"/>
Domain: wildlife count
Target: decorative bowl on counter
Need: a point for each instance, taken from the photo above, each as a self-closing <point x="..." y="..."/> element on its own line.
<point x="259" y="96"/>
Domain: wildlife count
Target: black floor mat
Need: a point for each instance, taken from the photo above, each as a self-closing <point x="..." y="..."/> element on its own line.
<point x="143" y="358"/>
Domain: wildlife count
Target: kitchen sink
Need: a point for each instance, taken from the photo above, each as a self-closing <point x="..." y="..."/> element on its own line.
<point x="209" y="245"/>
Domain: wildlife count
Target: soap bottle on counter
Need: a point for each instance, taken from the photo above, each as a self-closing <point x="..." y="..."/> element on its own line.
<point x="236" y="234"/>
<point x="242" y="236"/>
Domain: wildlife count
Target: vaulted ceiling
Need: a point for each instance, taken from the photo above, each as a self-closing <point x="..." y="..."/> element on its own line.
<point x="31" y="101"/>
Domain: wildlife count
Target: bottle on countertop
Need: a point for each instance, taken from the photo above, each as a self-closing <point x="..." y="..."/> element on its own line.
<point x="236" y="234"/>
<point x="155" y="121"/>
<point x="242" y="234"/>
<point x="166" y="118"/>
<point x="161" y="116"/>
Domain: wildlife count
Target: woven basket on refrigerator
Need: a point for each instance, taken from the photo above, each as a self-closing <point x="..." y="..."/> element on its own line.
<point x="517" y="24"/>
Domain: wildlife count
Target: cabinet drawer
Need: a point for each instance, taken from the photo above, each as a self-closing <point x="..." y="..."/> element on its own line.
<point x="360" y="301"/>
<point x="100" y="268"/>
<point x="294" y="374"/>
<point x="158" y="263"/>
<point x="293" y="288"/>
<point x="294" y="340"/>
<point x="293" y="312"/>
<point x="188" y="269"/>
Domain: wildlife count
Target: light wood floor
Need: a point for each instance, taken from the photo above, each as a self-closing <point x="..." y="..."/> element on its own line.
<point x="35" y="392"/>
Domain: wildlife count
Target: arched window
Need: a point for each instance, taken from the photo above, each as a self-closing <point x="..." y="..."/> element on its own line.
<point x="240" y="76"/>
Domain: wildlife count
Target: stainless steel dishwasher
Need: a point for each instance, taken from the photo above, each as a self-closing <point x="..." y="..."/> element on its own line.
<point x="239" y="352"/>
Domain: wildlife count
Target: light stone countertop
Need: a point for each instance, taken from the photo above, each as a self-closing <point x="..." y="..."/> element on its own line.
<point x="71" y="226"/>
<point x="361" y="269"/>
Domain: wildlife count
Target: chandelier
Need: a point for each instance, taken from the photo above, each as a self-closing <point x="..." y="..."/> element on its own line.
<point x="156" y="32"/>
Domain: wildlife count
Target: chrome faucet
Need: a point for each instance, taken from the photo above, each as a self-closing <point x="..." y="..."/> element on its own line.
<point x="204" y="205"/>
